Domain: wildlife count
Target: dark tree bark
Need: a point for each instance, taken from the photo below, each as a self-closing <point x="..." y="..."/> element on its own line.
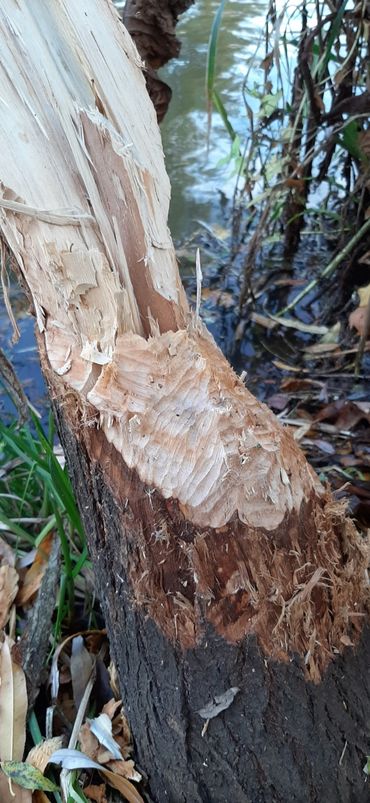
<point x="234" y="588"/>
<point x="282" y="738"/>
<point x="152" y="25"/>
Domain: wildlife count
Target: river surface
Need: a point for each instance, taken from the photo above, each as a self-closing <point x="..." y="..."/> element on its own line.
<point x="199" y="184"/>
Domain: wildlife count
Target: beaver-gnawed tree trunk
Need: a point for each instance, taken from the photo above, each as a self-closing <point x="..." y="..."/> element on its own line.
<point x="234" y="588"/>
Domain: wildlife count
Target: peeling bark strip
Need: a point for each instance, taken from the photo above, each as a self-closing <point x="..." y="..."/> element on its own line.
<point x="209" y="531"/>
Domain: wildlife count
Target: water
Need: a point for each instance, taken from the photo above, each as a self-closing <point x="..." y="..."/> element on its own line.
<point x="199" y="185"/>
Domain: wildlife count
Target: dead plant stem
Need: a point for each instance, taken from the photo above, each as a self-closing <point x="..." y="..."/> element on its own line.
<point x="330" y="268"/>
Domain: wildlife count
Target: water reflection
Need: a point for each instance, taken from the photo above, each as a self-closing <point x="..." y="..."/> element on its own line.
<point x="198" y="181"/>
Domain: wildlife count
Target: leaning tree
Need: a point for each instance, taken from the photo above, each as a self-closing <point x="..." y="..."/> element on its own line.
<point x="233" y="586"/>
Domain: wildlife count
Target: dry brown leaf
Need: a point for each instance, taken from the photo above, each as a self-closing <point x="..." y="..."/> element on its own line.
<point x="285" y="367"/>
<point x="88" y="742"/>
<point x="344" y="415"/>
<point x="270" y="321"/>
<point x="33" y="577"/>
<point x="123" y="785"/>
<point x="125" y="768"/>
<point x="219" y="297"/>
<point x="357" y="320"/>
<point x="91" y="747"/>
<point x="120" y="727"/>
<point x="321" y="348"/>
<point x="8" y="591"/>
<point x="104" y="756"/>
<point x="96" y="793"/>
<point x="13" y="705"/>
<point x="40" y="754"/>
<point x="295" y="385"/>
<point x="110" y="708"/>
<point x="81" y="666"/>
<point x="6" y="554"/>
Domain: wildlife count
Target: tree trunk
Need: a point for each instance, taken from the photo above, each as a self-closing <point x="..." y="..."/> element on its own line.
<point x="233" y="586"/>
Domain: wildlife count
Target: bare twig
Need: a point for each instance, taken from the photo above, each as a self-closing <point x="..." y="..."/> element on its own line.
<point x="330" y="268"/>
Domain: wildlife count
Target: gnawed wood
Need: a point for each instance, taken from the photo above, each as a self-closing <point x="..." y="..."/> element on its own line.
<point x="300" y="587"/>
<point x="84" y="209"/>
<point x="276" y="741"/>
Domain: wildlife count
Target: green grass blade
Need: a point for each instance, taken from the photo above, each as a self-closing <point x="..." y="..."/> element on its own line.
<point x="14" y="528"/>
<point x="219" y="106"/>
<point x="211" y="63"/>
<point x="332" y="37"/>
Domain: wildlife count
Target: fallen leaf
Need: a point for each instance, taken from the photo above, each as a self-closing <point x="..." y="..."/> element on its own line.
<point x="121" y="732"/>
<point x="125" y="768"/>
<point x="111" y="707"/>
<point x="6" y="553"/>
<point x="324" y="446"/>
<point x="8" y="591"/>
<point x="285" y="367"/>
<point x="345" y="415"/>
<point x="81" y="666"/>
<point x="357" y="320"/>
<point x="221" y="298"/>
<point x="71" y="759"/>
<point x="96" y="793"/>
<point x="332" y="334"/>
<point x="27" y="776"/>
<point x="113" y="680"/>
<point x="321" y="348"/>
<point x="292" y="323"/>
<point x="89" y="743"/>
<point x="33" y="577"/>
<point x="13" y="705"/>
<point x="101" y="727"/>
<point x="122" y="785"/>
<point x="278" y="401"/>
<point x="337" y="353"/>
<point x="294" y="385"/>
<point x="74" y="759"/>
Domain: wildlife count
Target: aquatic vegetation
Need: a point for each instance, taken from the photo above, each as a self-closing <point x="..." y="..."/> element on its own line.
<point x="303" y="161"/>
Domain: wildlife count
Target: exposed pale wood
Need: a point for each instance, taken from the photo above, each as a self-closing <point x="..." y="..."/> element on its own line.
<point x="90" y="234"/>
